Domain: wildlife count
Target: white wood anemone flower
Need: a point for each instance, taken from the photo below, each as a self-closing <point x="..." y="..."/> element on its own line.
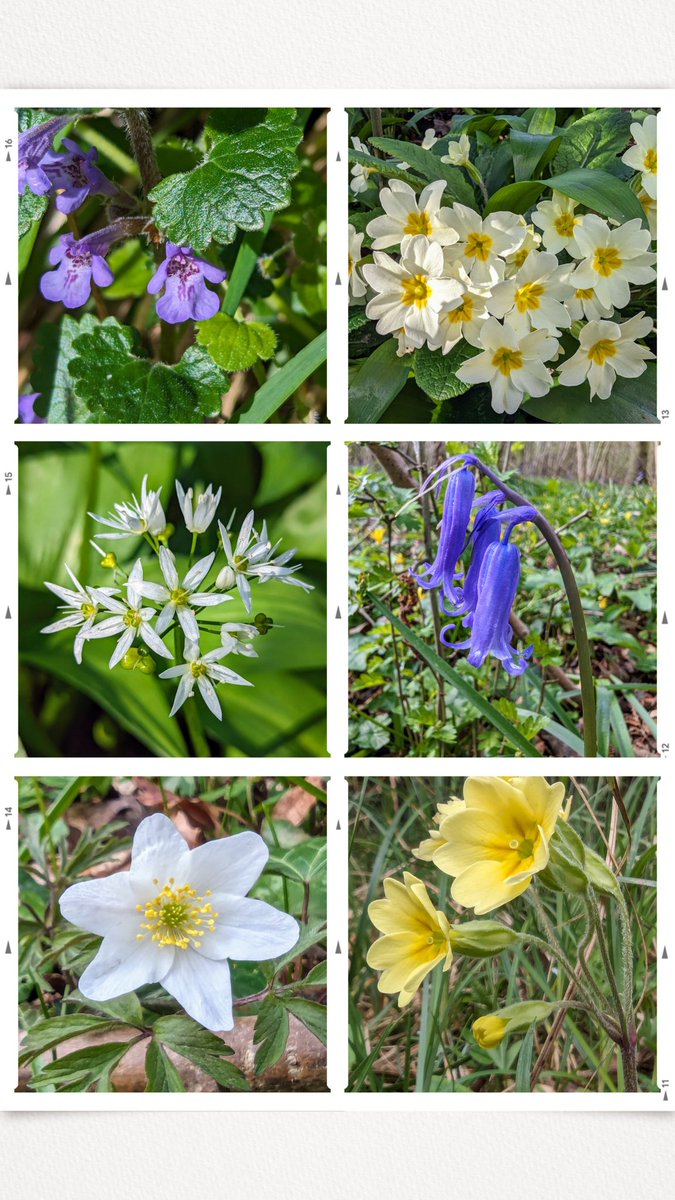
<point x="177" y="917"/>
<point x="200" y="669"/>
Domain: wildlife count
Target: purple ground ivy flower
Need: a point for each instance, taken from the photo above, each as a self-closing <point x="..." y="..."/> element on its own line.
<point x="79" y="262"/>
<point x="27" y="413"/>
<point x="183" y="276"/>
<point x="490" y="628"/>
<point x="34" y="144"/>
<point x="74" y="175"/>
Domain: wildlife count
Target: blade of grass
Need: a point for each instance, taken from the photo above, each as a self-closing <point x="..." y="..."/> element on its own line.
<point x="285" y="381"/>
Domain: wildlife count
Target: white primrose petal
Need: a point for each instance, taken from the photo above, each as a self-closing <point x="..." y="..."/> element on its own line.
<point x="122" y="965"/>
<point x="158" y="852"/>
<point x="102" y="906"/>
<point x="184" y="691"/>
<point x="250" y="930"/>
<point x="208" y="694"/>
<point x="188" y="623"/>
<point x="202" y="987"/>
<point x="228" y="864"/>
<point x="152" y="640"/>
<point x="199" y="572"/>
<point x="121" y="648"/>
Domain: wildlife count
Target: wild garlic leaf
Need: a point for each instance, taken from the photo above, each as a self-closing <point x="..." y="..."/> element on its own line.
<point x="244" y="175"/>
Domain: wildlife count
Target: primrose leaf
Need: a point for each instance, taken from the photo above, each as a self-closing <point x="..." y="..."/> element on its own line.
<point x="245" y="174"/>
<point x="118" y="385"/>
<point x="236" y="345"/>
<point x="436" y="373"/>
<point x="596" y="139"/>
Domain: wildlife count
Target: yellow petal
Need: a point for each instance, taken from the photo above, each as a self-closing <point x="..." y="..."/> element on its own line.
<point x="486" y="885"/>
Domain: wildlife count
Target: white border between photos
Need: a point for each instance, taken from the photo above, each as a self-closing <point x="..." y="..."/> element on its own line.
<point x="337" y="768"/>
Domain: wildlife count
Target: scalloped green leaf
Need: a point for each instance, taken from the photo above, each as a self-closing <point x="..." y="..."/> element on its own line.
<point x="119" y="386"/>
<point x="244" y="175"/>
<point x="436" y="373"/>
<point x="236" y="345"/>
<point x="50" y="375"/>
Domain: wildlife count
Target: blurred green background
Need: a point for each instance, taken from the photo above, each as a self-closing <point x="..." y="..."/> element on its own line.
<point x="66" y="709"/>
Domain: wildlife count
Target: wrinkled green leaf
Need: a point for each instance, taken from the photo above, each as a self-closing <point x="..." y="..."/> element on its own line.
<point x="595" y="139"/>
<point x="436" y="374"/>
<point x="51" y="377"/>
<point x="189" y="1039"/>
<point x="236" y="345"/>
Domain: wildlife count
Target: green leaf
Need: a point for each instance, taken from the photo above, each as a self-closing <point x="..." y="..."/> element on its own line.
<point x="515" y="197"/>
<point x="312" y="1015"/>
<point x="236" y="345"/>
<point x="126" y="1008"/>
<point x="32" y="209"/>
<point x="542" y="121"/>
<point x="595" y="139"/>
<point x="244" y="176"/>
<point x="270" y="1034"/>
<point x="310" y="935"/>
<point x="51" y="377"/>
<point x="118" y="386"/>
<point x="528" y="151"/>
<point x="599" y="190"/>
<point x="284" y="382"/>
<point x="161" y="1072"/>
<point x="189" y="1039"/>
<point x="524" y="1067"/>
<point x="435" y="373"/>
<point x="430" y="167"/>
<point x="244" y="266"/>
<point x="377" y="382"/>
<point x="47" y="1034"/>
<point x="133" y="266"/>
<point x="81" y="1070"/>
<point x="465" y="686"/>
<point x="632" y="402"/>
<point x="302" y="862"/>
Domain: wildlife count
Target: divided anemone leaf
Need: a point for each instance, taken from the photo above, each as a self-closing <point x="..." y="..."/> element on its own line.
<point x="243" y="176"/>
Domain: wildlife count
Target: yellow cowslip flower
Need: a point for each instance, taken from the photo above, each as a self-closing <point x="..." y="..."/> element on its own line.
<point x="489" y="1031"/>
<point x="416" y="937"/>
<point x="426" y="849"/>
<point x="377" y="535"/>
<point x="500" y="840"/>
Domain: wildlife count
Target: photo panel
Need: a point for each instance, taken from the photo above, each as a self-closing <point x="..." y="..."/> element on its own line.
<point x="503" y="599"/>
<point x="502" y="265"/>
<point x="503" y="935"/>
<point x="172" y="935"/>
<point x="172" y="265"/>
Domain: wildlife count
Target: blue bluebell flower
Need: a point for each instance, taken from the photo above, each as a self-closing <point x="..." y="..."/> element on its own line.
<point x="457" y="506"/>
<point x="490" y="628"/>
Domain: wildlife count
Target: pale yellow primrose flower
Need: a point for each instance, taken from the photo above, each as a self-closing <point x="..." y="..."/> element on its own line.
<point x="458" y="152"/>
<point x="642" y="156"/>
<point x="500" y="840"/>
<point x="426" y="849"/>
<point x="357" y="287"/>
<point x="405" y="216"/>
<point x="416" y="937"/>
<point x="557" y="221"/>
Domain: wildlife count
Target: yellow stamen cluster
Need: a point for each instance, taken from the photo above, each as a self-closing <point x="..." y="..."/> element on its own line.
<point x="478" y="245"/>
<point x="463" y="312"/>
<point x="418" y="223"/>
<point x="177" y="916"/>
<point x="650" y="163"/>
<point x="528" y="297"/>
<point x="416" y="291"/>
<point x="565" y="223"/>
<point x="507" y="360"/>
<point x="607" y="260"/>
<point x="602" y="350"/>
<point x="88" y="610"/>
<point x="132" y="618"/>
<point x="179" y="596"/>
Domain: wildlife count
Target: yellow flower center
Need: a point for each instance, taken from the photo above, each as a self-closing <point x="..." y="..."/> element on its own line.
<point x="524" y="847"/>
<point x="132" y="618"/>
<point x="585" y="293"/>
<point x="601" y="350"/>
<point x="463" y="312"/>
<point x="565" y="223"/>
<point x="179" y="596"/>
<point x="177" y="916"/>
<point x="650" y="161"/>
<point x="478" y="245"/>
<point x="607" y="259"/>
<point x="528" y="296"/>
<point x="198" y="668"/>
<point x="416" y="291"/>
<point x="507" y="360"/>
<point x="418" y="223"/>
<point x="520" y="256"/>
<point x="88" y="610"/>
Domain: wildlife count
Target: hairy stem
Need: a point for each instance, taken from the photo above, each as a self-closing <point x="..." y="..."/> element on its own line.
<point x="140" y="136"/>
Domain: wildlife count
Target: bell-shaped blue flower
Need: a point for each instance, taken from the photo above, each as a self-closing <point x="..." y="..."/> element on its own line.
<point x="459" y="497"/>
<point x="496" y="590"/>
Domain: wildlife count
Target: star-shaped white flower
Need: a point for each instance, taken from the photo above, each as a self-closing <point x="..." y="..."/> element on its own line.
<point x="237" y="638"/>
<point x="406" y="217"/>
<point x="253" y="558"/>
<point x="177" y="917"/>
<point x="513" y="365"/>
<point x="180" y="598"/>
<point x="612" y="259"/>
<point x="410" y="293"/>
<point x="130" y="619"/>
<point x="607" y="349"/>
<point x="642" y="156"/>
<point x="135" y="518"/>
<point x="205" y="510"/>
<point x="200" y="669"/>
<point x="81" y="609"/>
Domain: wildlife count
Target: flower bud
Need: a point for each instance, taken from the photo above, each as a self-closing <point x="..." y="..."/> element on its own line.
<point x="263" y="623"/>
<point x="164" y="536"/>
<point x="131" y="659"/>
<point x="600" y="875"/>
<point x="562" y="874"/>
<point x="492" y="1028"/>
<point x="109" y="561"/>
<point x="489" y="1031"/>
<point x="226" y="580"/>
<point x="481" y="939"/>
<point x="146" y="665"/>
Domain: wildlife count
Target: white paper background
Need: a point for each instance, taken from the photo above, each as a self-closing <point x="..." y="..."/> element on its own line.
<point x="300" y="43"/>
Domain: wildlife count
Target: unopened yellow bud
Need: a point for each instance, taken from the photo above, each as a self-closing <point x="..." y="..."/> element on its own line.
<point x="109" y="561"/>
<point x="489" y="1031"/>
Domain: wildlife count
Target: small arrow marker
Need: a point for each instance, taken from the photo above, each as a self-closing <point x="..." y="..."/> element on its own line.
<point x="338" y="826"/>
<point x="665" y="953"/>
<point x="664" y="286"/>
<point x="8" y="826"/>
<point x="337" y="948"/>
<point x="338" y="281"/>
<point x="8" y="615"/>
<point x="664" y="619"/>
<point x="8" y="949"/>
<point x="8" y="281"/>
<point x="665" y="1095"/>
<point x="338" y="615"/>
<point x="9" y="491"/>
<point x="338" y="159"/>
<point x="338" y="492"/>
<point x="9" y="157"/>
